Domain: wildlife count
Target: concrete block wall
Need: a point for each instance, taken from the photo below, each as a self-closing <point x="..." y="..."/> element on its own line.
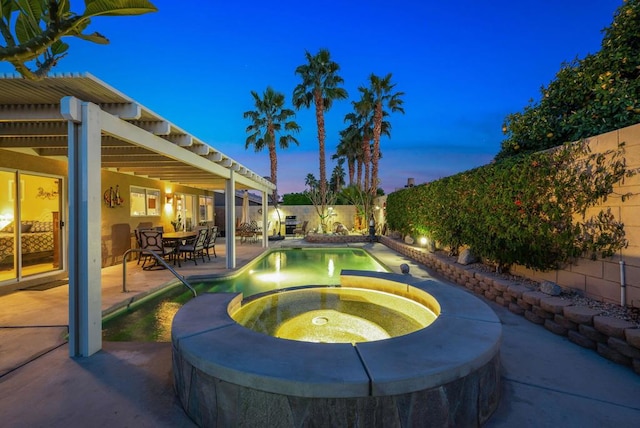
<point x="612" y="338"/>
<point x="601" y="279"/>
<point x="344" y="214"/>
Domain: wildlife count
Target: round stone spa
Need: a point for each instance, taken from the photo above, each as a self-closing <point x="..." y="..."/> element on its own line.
<point x="383" y="350"/>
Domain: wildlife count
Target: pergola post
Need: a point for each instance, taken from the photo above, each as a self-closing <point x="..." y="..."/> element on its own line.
<point x="230" y="219"/>
<point x="85" y="284"/>
<point x="265" y="219"/>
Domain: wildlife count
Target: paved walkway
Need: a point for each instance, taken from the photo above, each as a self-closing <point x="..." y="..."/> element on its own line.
<point x="547" y="380"/>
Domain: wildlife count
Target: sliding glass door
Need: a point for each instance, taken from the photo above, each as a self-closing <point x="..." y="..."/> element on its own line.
<point x="30" y="237"/>
<point x="8" y="208"/>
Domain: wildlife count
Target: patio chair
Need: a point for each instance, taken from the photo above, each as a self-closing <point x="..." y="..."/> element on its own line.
<point x="137" y="231"/>
<point x="194" y="247"/>
<point x="246" y="232"/>
<point x="301" y="230"/>
<point x="152" y="240"/>
<point x="210" y="242"/>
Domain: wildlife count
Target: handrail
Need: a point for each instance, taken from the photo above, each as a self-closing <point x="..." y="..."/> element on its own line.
<point x="158" y="259"/>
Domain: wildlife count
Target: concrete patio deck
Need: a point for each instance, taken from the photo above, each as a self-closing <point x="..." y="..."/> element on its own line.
<point x="547" y="380"/>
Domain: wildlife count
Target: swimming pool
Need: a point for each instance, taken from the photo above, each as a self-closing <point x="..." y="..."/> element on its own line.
<point x="276" y="269"/>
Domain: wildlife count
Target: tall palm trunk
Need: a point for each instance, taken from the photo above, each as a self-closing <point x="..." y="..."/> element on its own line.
<point x="352" y="168"/>
<point x="321" y="148"/>
<point x="377" y="130"/>
<point x="366" y="161"/>
<point x="273" y="159"/>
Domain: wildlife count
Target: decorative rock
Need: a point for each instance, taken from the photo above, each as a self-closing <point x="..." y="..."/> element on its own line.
<point x="611" y="326"/>
<point x="550" y="288"/>
<point x="408" y="240"/>
<point x="467" y="257"/>
<point x="580" y="314"/>
<point x="404" y="268"/>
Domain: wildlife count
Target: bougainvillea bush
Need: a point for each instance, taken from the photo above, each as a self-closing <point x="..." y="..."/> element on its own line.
<point x="529" y="210"/>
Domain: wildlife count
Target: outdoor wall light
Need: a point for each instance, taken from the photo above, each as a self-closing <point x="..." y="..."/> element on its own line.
<point x="168" y="198"/>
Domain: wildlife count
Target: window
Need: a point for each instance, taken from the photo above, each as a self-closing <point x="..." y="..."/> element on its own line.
<point x="144" y="202"/>
<point x="206" y="208"/>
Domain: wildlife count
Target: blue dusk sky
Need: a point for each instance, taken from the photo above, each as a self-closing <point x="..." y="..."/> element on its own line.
<point x="463" y="66"/>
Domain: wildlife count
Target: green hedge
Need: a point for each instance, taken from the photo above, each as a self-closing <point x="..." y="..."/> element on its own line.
<point x="527" y="210"/>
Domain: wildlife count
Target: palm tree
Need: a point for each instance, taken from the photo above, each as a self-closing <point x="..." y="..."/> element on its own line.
<point x="320" y="86"/>
<point x="337" y="177"/>
<point x="270" y="118"/>
<point x="350" y="148"/>
<point x="361" y="123"/>
<point x="310" y="181"/>
<point x="383" y="98"/>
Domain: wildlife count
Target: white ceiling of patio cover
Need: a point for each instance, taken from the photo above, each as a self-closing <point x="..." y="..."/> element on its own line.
<point x="30" y="122"/>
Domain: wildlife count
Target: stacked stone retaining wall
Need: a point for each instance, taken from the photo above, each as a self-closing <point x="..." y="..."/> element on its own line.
<point x="612" y="338"/>
<point x="335" y="239"/>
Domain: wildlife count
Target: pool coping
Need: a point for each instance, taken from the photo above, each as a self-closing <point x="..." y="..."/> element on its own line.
<point x="464" y="338"/>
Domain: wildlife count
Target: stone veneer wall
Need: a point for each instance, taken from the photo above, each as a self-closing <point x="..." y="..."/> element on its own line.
<point x="614" y="339"/>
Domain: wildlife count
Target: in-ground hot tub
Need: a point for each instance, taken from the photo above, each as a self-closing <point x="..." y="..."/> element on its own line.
<point x="335" y="314"/>
<point x="446" y="373"/>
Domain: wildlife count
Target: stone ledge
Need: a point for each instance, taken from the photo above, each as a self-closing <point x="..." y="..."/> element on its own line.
<point x="633" y="336"/>
<point x="533" y="297"/>
<point x="611" y="326"/>
<point x="580" y="314"/>
<point x="554" y="305"/>
<point x="575" y="317"/>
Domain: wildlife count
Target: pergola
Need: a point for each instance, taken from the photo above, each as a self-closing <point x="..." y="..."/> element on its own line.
<point x="93" y="126"/>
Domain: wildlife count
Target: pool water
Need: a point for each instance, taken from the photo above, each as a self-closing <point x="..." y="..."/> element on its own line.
<point x="151" y="320"/>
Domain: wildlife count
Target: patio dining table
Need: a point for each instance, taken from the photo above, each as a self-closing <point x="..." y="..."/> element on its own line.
<point x="174" y="239"/>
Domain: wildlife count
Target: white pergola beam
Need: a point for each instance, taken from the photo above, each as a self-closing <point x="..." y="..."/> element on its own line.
<point x="30" y="112"/>
<point x="182" y="140"/>
<point x="129" y="111"/>
<point x="137" y="136"/>
<point x="157" y="127"/>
